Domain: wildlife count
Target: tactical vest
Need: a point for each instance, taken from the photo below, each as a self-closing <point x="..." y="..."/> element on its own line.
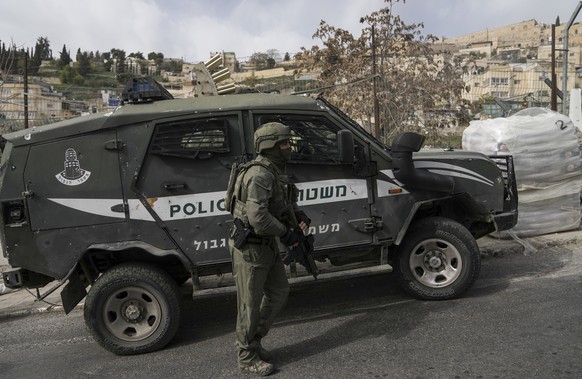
<point x="233" y="201"/>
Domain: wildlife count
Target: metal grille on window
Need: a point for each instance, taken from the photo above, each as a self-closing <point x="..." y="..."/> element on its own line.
<point x="190" y="138"/>
<point x="312" y="139"/>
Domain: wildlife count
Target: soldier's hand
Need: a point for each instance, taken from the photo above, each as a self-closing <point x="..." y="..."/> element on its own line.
<point x="303" y="226"/>
<point x="290" y="238"/>
<point x="302" y="218"/>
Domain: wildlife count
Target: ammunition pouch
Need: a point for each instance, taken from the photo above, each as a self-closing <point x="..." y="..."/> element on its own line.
<point x="240" y="233"/>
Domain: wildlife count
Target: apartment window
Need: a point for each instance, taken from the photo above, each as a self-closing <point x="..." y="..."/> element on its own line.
<point x="499" y="81"/>
<point x="516" y="82"/>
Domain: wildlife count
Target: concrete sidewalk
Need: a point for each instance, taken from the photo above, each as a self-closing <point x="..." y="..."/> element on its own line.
<point x="22" y="302"/>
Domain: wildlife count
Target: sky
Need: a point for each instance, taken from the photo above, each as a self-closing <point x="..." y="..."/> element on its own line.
<point x="191" y="29"/>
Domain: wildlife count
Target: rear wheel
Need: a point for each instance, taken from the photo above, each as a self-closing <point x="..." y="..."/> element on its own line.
<point x="133" y="309"/>
<point x="438" y="260"/>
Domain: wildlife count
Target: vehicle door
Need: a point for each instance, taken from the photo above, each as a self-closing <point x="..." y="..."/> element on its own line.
<point x="184" y="178"/>
<point x="74" y="182"/>
<point x="332" y="194"/>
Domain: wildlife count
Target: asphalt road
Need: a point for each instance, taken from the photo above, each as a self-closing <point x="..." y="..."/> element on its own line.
<point x="522" y="319"/>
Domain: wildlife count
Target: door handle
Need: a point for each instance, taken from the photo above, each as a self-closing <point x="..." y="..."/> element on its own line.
<point x="174" y="185"/>
<point x="119" y="208"/>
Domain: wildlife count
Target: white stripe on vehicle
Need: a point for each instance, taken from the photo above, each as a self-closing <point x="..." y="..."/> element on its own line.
<point x="211" y="204"/>
<point x="100" y="207"/>
<point x="452" y="170"/>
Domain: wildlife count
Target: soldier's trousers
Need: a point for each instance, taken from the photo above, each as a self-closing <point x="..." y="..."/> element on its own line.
<point x="262" y="290"/>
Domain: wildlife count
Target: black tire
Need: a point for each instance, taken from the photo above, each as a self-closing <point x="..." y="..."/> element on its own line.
<point x="133" y="308"/>
<point x="438" y="260"/>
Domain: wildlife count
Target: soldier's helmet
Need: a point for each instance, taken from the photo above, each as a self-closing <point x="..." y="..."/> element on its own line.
<point x="269" y="134"/>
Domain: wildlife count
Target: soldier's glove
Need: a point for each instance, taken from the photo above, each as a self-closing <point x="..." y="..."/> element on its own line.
<point x="301" y="216"/>
<point x="289" y="238"/>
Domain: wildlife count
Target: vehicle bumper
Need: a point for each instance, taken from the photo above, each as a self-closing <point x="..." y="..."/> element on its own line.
<point x="505" y="221"/>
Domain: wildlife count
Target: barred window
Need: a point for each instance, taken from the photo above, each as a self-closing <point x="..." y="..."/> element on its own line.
<point x="191" y="138"/>
<point x="312" y="138"/>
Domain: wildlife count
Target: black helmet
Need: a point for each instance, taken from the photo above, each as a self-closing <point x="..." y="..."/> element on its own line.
<point x="267" y="135"/>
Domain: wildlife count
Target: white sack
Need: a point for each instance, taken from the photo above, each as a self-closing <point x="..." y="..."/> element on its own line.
<point x="548" y="169"/>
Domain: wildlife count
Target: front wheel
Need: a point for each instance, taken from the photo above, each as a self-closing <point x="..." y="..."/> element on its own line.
<point x="438" y="260"/>
<point x="133" y="309"/>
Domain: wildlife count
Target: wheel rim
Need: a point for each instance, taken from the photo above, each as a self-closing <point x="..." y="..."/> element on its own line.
<point x="435" y="263"/>
<point x="132" y="313"/>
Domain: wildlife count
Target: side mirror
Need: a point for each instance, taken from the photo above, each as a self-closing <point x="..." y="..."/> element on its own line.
<point x="407" y="142"/>
<point x="345" y="145"/>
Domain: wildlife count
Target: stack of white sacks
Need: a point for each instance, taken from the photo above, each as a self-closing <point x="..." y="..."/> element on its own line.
<point x="546" y="156"/>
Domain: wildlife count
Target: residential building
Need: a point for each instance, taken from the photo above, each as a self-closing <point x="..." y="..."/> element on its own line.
<point x="512" y="81"/>
<point x="44" y="105"/>
<point x="522" y="34"/>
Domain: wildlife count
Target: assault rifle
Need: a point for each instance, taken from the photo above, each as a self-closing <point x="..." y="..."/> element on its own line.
<point x="302" y="251"/>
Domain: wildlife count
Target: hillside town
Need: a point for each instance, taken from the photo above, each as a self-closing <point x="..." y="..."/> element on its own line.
<point x="506" y="69"/>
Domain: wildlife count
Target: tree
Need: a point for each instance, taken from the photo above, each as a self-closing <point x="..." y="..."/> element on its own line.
<point x="155" y="56"/>
<point x="83" y="64"/>
<point x="43" y="44"/>
<point x="259" y="60"/>
<point x="8" y="58"/>
<point x="67" y="75"/>
<point x="137" y="55"/>
<point x="287" y="57"/>
<point x="118" y="60"/>
<point x="411" y="77"/>
<point x="23" y="56"/>
<point x="158" y="59"/>
<point x="274" y="54"/>
<point x="65" y="57"/>
<point x="41" y="52"/>
<point x="270" y="63"/>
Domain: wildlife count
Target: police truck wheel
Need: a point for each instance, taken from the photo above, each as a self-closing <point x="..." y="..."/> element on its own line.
<point x="133" y="309"/>
<point x="438" y="260"/>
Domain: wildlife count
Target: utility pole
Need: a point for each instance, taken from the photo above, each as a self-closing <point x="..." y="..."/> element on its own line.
<point x="565" y="60"/>
<point x="375" y="88"/>
<point x="553" y="98"/>
<point x="26" y="90"/>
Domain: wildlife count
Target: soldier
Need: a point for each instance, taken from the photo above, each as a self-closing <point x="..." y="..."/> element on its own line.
<point x="261" y="281"/>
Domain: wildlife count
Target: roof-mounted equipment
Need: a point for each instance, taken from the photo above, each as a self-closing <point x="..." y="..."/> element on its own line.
<point x="144" y="90"/>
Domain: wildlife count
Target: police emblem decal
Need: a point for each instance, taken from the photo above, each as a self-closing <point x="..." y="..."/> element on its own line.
<point x="73" y="174"/>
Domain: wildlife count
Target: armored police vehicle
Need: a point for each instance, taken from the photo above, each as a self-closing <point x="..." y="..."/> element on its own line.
<point x="123" y="207"/>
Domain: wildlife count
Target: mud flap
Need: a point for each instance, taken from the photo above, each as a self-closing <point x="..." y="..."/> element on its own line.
<point x="73" y="292"/>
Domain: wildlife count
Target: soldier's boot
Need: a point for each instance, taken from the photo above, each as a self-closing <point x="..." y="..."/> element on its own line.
<point x="260" y="368"/>
<point x="265" y="355"/>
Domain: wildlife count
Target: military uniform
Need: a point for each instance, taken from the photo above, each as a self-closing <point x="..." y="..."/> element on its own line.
<point x="258" y="270"/>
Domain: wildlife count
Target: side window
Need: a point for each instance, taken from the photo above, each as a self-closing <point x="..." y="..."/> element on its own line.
<point x="191" y="138"/>
<point x="313" y="138"/>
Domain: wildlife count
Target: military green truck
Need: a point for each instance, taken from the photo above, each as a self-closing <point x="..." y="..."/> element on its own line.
<point x="122" y="208"/>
